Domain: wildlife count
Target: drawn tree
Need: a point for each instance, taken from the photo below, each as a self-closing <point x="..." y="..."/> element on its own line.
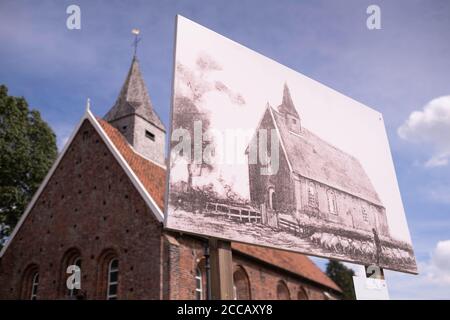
<point x="192" y="86"/>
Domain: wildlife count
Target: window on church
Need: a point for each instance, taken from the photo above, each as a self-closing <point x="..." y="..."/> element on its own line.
<point x="364" y="215"/>
<point x="34" y="286"/>
<point x="302" y="294"/>
<point x="124" y="128"/>
<point x="74" y="292"/>
<point x="30" y="282"/>
<point x="332" y="203"/>
<point x="272" y="198"/>
<point x="283" y="291"/>
<point x="149" y="135"/>
<point x="241" y="284"/>
<point x="113" y="279"/>
<point x="72" y="257"/>
<point x="198" y="284"/>
<point x="312" y="195"/>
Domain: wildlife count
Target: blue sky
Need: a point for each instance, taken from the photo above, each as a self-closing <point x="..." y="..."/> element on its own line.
<point x="396" y="70"/>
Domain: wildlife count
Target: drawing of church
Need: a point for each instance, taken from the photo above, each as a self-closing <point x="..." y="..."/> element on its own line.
<point x="315" y="180"/>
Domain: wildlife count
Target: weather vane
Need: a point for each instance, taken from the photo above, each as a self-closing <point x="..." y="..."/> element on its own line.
<point x="136" y="33"/>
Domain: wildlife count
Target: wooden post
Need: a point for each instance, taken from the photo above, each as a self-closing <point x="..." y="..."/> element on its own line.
<point x="208" y="270"/>
<point x="221" y="270"/>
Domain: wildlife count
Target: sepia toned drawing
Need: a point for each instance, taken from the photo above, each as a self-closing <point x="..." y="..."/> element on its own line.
<point x="294" y="191"/>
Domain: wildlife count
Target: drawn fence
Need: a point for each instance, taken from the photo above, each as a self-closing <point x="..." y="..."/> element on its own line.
<point x="241" y="214"/>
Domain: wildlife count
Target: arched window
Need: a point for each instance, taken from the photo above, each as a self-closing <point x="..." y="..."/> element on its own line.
<point x="198" y="284"/>
<point x="301" y="294"/>
<point x="241" y="284"/>
<point x="312" y="195"/>
<point x="283" y="291"/>
<point x="271" y="197"/>
<point x="30" y="283"/>
<point x="108" y="278"/>
<point x="34" y="286"/>
<point x="200" y="280"/>
<point x="332" y="204"/>
<point x="72" y="257"/>
<point x="364" y="214"/>
<point x="113" y="279"/>
<point x="74" y="291"/>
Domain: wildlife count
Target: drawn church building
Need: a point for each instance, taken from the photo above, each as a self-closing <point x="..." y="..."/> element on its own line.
<point x="314" y="178"/>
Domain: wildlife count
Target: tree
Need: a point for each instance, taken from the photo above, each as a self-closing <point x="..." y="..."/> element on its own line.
<point x="27" y="151"/>
<point x="343" y="277"/>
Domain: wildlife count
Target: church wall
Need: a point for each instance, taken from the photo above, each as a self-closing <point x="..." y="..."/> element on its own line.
<point x="188" y="254"/>
<point x="91" y="205"/>
<point x="125" y="126"/>
<point x="349" y="208"/>
<point x="265" y="278"/>
<point x="280" y="181"/>
<point x="152" y="149"/>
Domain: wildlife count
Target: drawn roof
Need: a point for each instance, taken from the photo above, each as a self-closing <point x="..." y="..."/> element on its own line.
<point x="134" y="99"/>
<point x="314" y="158"/>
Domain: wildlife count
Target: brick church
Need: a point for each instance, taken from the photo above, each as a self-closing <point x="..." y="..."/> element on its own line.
<point x="101" y="207"/>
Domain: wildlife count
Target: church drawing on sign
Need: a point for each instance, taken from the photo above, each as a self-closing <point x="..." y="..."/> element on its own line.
<point x="315" y="180"/>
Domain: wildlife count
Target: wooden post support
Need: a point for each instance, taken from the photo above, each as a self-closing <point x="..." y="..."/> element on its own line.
<point x="221" y="270"/>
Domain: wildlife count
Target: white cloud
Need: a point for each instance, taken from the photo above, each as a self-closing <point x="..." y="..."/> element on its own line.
<point x="430" y="126"/>
<point x="439" y="266"/>
<point x="438" y="193"/>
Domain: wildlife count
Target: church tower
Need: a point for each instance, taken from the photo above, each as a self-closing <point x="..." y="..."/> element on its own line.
<point x="287" y="108"/>
<point x="134" y="117"/>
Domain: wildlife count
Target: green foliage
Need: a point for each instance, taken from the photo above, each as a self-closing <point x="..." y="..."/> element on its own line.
<point x="343" y="277"/>
<point x="27" y="151"/>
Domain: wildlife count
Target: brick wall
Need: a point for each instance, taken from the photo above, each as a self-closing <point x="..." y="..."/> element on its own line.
<point x="263" y="279"/>
<point x="89" y="205"/>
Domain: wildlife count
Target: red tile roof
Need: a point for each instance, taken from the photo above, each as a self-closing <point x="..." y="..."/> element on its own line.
<point x="294" y="262"/>
<point x="153" y="177"/>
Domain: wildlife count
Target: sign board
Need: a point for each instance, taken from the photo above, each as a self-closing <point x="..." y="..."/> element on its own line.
<point x="370" y="289"/>
<point x="262" y="154"/>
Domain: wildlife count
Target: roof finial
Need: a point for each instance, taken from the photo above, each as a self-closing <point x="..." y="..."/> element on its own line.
<point x="88" y="104"/>
<point x="136" y="40"/>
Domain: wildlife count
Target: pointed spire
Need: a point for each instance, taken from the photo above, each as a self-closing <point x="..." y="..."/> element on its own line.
<point x="134" y="99"/>
<point x="287" y="105"/>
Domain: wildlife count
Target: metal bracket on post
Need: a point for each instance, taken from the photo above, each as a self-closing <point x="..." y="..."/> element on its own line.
<point x="372" y="286"/>
<point x="374" y="272"/>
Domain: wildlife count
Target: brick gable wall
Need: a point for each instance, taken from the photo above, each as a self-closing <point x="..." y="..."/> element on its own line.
<point x="91" y="205"/>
